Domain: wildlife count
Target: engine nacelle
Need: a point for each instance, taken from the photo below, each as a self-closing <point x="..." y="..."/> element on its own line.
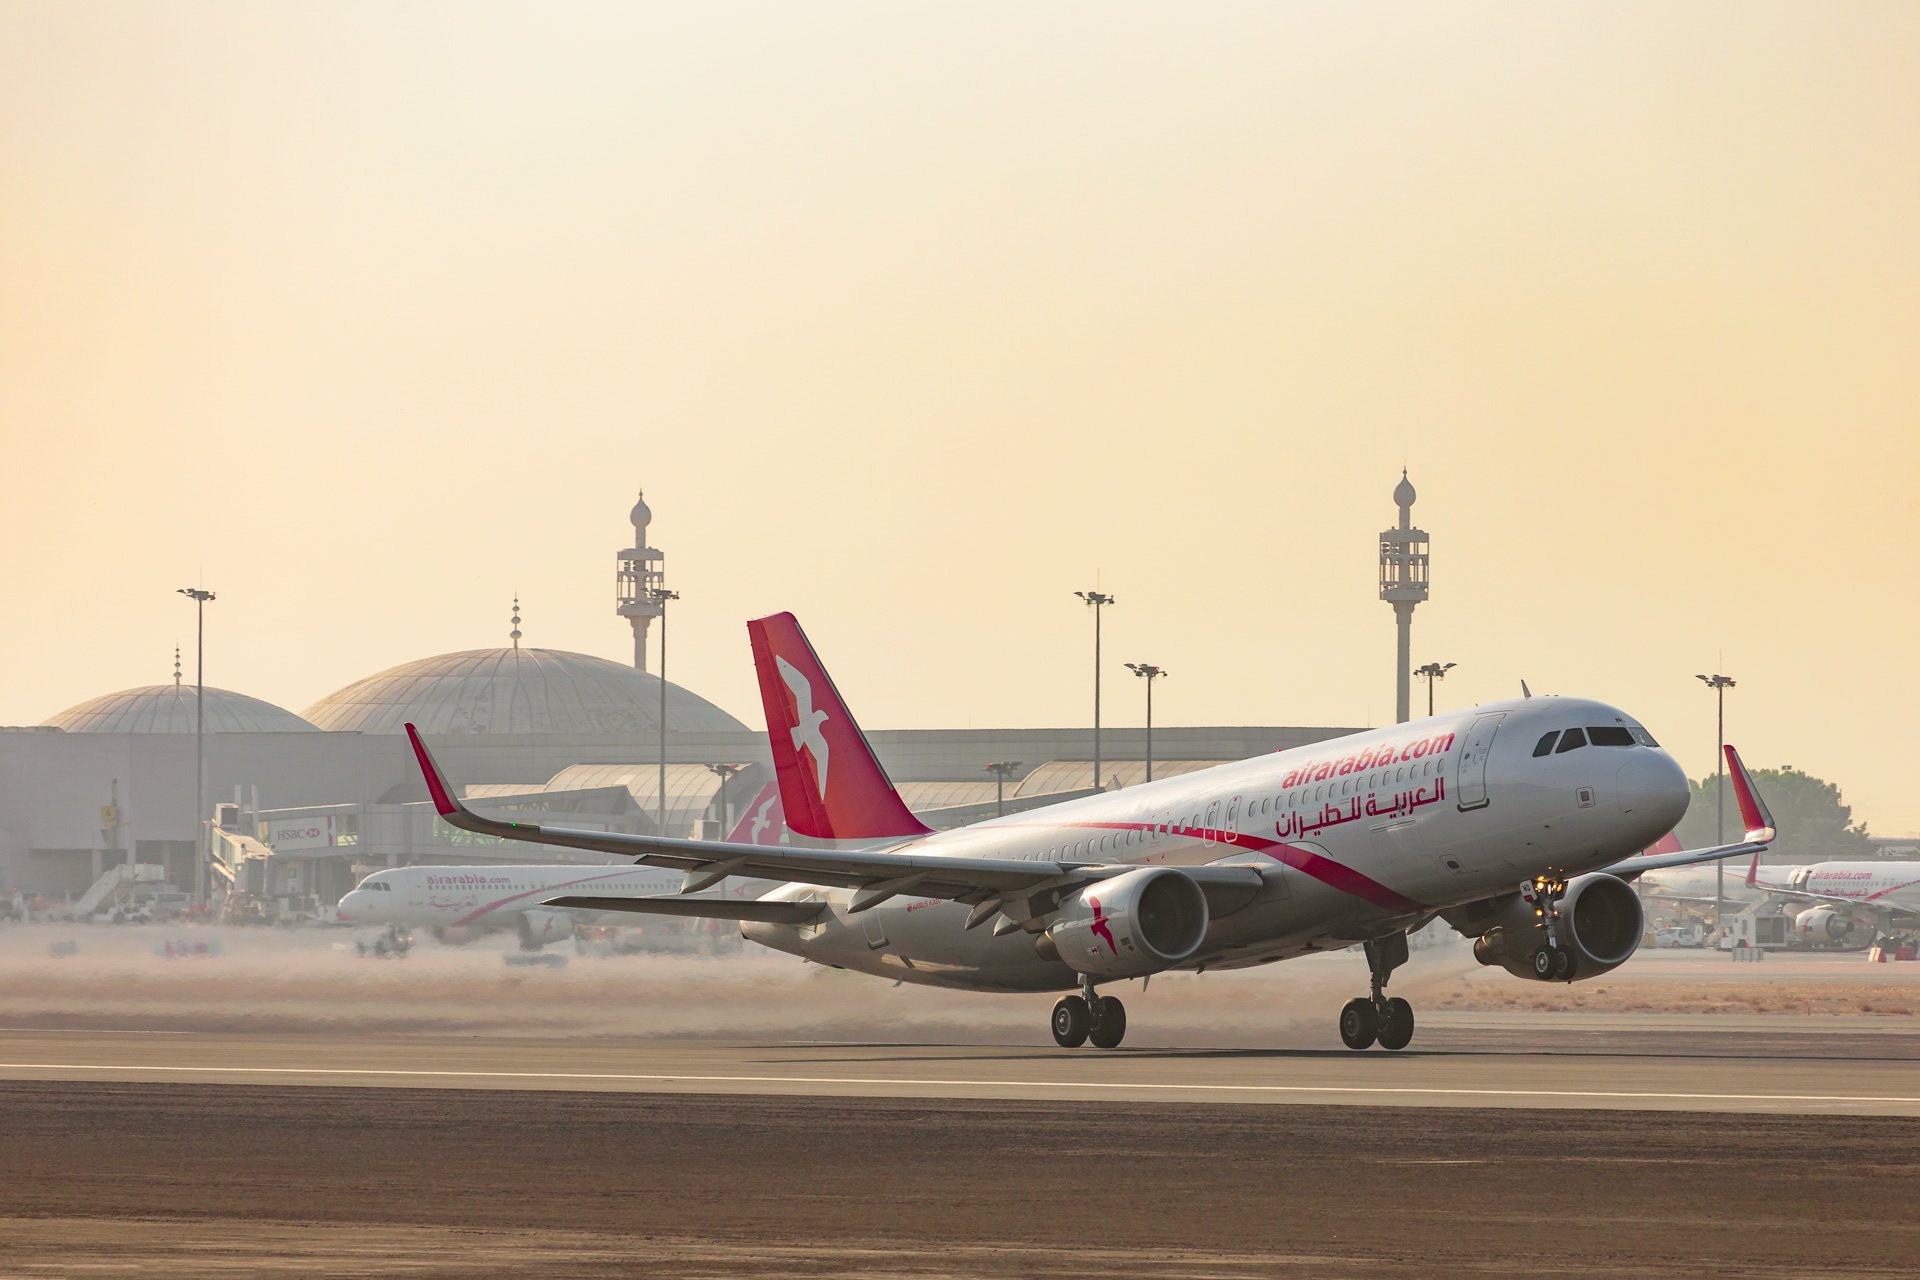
<point x="1831" y="926"/>
<point x="1132" y="925"/>
<point x="537" y="928"/>
<point x="1600" y="926"/>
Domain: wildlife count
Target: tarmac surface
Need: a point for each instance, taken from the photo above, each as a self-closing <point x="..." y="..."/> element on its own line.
<point x="173" y="1180"/>
<point x="1758" y="1063"/>
<point x="281" y="1107"/>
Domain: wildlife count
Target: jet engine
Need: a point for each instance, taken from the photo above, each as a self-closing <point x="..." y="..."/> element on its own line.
<point x="1599" y="927"/>
<point x="1132" y="925"/>
<point x="537" y="928"/>
<point x="1831" y="927"/>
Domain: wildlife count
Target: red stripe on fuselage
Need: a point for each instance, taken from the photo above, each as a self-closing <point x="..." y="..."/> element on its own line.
<point x="1337" y="875"/>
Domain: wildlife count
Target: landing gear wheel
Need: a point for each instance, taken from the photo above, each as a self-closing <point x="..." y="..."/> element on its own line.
<point x="1359" y="1024"/>
<point x="1396" y="1024"/>
<point x="1543" y="962"/>
<point x="1109" y="1023"/>
<point x="1071" y="1022"/>
<point x="1563" y="965"/>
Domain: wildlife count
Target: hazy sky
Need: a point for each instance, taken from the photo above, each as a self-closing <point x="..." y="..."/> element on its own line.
<point x="915" y="318"/>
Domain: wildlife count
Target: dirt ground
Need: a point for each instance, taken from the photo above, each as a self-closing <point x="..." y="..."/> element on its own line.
<point x="175" y="1181"/>
<point x="297" y="981"/>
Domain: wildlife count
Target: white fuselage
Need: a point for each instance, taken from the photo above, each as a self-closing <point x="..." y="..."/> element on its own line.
<point x="1355" y="837"/>
<point x="1891" y="889"/>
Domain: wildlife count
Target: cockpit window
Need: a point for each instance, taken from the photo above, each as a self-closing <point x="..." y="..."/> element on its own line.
<point x="1641" y="736"/>
<point x="1609" y="735"/>
<point x="1545" y="744"/>
<point x="1573" y="740"/>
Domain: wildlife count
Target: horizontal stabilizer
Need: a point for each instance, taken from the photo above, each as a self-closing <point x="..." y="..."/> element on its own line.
<point x="700" y="908"/>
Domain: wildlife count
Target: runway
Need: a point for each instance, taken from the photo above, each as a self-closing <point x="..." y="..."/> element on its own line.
<point x="1759" y="1064"/>
<point x="188" y="1181"/>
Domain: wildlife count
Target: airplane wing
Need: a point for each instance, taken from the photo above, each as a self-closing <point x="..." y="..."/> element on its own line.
<point x="1021" y="887"/>
<point x="702" y="908"/>
<point x="1753" y="812"/>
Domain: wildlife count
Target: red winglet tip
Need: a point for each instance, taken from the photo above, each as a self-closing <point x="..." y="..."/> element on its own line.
<point x="1753" y="809"/>
<point x="443" y="801"/>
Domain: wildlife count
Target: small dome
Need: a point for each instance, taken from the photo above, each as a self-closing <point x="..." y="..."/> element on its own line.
<point x="169" y="708"/>
<point x="516" y="690"/>
<point x="642" y="514"/>
<point x="1403" y="494"/>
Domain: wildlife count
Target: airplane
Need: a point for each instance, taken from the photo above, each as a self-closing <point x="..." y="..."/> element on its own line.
<point x="1517" y="823"/>
<point x="1858" y="902"/>
<point x="455" y="901"/>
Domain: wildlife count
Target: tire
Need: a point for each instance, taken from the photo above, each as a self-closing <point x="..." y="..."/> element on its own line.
<point x="1396" y="1024"/>
<point x="1109" y="1023"/>
<point x="1072" y="1020"/>
<point x="1563" y="966"/>
<point x="1359" y="1024"/>
<point x="1543" y="963"/>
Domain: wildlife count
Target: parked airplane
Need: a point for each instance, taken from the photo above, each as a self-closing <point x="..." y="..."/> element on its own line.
<point x="484" y="899"/>
<point x="1514" y="822"/>
<point x="1858" y="901"/>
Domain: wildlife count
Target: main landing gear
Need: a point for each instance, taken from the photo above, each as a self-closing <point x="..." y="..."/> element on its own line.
<point x="1377" y="1019"/>
<point x="1078" y="1019"/>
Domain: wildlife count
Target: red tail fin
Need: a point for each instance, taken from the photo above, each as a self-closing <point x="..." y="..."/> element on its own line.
<point x="1668" y="843"/>
<point x="763" y="821"/>
<point x="838" y="791"/>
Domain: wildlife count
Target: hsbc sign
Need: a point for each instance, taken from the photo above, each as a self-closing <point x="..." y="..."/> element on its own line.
<point x="301" y="833"/>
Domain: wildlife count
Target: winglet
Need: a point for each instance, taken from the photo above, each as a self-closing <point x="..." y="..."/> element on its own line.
<point x="1753" y="871"/>
<point x="443" y="801"/>
<point x="1753" y="809"/>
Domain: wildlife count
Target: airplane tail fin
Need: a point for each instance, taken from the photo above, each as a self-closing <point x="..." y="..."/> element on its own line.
<point x="763" y="821"/>
<point x="1668" y="843"/>
<point x="831" y="783"/>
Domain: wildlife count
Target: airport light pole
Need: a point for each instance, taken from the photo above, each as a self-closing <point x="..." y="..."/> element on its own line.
<point x="199" y="598"/>
<point x="660" y="596"/>
<point x="726" y="772"/>
<point x="1096" y="601"/>
<point x="1719" y="684"/>
<point x="1149" y="673"/>
<point x="1001" y="770"/>
<point x="1433" y="671"/>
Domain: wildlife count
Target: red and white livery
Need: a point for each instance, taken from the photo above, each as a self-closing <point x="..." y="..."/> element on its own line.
<point x="1517" y="823"/>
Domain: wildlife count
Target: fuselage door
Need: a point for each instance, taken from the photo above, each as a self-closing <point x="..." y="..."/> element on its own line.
<point x="1473" y="761"/>
<point x="1210" y="824"/>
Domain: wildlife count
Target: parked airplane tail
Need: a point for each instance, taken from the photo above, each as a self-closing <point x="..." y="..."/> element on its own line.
<point x="1668" y="843"/>
<point x="763" y="821"/>
<point x="831" y="783"/>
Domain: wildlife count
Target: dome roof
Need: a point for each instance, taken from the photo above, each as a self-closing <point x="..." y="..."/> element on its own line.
<point x="169" y="708"/>
<point x="1403" y="494"/>
<point x="515" y="691"/>
<point x="642" y="514"/>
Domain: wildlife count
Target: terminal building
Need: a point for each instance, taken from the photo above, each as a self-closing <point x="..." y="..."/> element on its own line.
<point x="298" y="806"/>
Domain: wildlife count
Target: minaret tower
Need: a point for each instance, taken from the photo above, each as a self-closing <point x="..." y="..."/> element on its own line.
<point x="1403" y="584"/>
<point x="643" y="572"/>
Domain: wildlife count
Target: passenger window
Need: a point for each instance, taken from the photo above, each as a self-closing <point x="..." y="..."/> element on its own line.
<point x="1609" y="735"/>
<point x="1545" y="744"/>
<point x="1573" y="741"/>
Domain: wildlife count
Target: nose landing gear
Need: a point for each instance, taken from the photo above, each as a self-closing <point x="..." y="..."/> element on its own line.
<point x="1550" y="961"/>
<point x="1077" y="1019"/>
<point x="1377" y="1019"/>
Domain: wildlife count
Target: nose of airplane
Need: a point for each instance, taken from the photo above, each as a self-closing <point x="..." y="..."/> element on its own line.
<point x="1652" y="785"/>
<point x="353" y="907"/>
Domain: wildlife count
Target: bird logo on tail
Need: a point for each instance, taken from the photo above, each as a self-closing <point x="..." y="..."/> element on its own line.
<point x="806" y="731"/>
